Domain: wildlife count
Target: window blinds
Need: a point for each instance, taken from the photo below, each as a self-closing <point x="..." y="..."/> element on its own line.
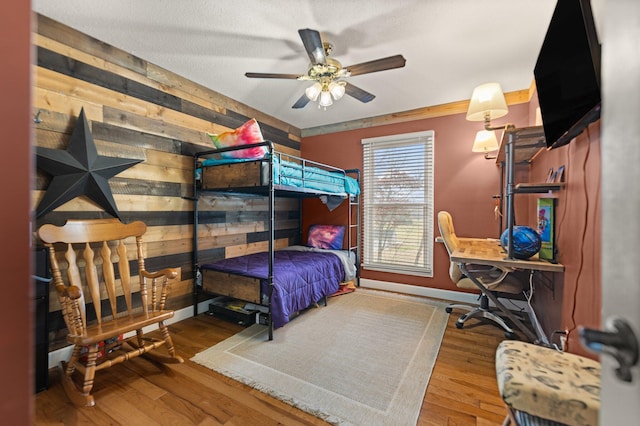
<point x="398" y="203"/>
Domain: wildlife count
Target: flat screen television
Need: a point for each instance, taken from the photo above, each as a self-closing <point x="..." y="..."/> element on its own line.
<point x="567" y="73"/>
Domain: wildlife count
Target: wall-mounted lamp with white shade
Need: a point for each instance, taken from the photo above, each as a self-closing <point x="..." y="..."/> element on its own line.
<point x="485" y="142"/>
<point x="487" y="102"/>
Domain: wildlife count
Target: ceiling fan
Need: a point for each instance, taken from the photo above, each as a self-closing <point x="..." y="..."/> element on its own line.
<point x="329" y="75"/>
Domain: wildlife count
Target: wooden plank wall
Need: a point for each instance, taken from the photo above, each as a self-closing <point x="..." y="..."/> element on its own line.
<point x="138" y="110"/>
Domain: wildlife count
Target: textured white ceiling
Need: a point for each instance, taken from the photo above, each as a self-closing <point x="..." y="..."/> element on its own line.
<point x="450" y="46"/>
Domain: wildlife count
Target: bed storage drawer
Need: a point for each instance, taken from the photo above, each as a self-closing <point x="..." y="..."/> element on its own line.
<point x="232" y="310"/>
<point x="236" y="175"/>
<point x="236" y="286"/>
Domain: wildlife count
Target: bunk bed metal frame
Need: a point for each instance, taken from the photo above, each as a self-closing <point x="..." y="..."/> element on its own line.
<point x="273" y="190"/>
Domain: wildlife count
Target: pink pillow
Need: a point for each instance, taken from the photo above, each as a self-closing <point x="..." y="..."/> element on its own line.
<point x="246" y="134"/>
<point x="326" y="236"/>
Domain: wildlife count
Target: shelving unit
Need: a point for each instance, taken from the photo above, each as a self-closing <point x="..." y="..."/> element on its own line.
<point x="537" y="188"/>
<point x="527" y="141"/>
<point x="520" y="146"/>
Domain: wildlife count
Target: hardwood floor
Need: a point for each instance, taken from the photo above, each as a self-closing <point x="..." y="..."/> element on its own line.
<point x="462" y="389"/>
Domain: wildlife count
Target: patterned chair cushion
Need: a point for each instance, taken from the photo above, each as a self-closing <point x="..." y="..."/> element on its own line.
<point x="553" y="385"/>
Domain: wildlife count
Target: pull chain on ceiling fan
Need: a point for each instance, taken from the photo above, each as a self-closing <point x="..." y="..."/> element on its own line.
<point x="329" y="75"/>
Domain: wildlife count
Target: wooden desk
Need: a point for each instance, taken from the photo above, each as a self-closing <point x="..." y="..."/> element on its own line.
<point x="479" y="251"/>
<point x="473" y="251"/>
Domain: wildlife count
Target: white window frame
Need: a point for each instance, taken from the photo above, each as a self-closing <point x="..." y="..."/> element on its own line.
<point x="369" y="146"/>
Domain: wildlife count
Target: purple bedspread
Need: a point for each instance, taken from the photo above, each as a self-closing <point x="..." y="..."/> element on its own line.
<point x="300" y="278"/>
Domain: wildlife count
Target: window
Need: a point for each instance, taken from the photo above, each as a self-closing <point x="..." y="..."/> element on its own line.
<point x="398" y="203"/>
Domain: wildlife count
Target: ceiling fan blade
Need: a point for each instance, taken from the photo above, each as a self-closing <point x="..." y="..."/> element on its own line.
<point x="270" y="75"/>
<point x="302" y="102"/>
<point x="313" y="45"/>
<point x="358" y="93"/>
<point x="388" y="63"/>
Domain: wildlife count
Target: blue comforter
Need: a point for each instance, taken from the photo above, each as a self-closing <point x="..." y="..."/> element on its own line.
<point x="288" y="173"/>
<point x="293" y="174"/>
<point x="299" y="278"/>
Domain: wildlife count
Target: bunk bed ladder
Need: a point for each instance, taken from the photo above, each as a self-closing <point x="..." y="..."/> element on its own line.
<point x="354" y="224"/>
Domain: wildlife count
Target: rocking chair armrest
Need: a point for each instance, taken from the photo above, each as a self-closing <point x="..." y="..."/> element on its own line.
<point x="73" y="292"/>
<point x="170" y="273"/>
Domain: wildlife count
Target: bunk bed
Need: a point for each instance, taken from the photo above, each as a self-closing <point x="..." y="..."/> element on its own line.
<point x="272" y="280"/>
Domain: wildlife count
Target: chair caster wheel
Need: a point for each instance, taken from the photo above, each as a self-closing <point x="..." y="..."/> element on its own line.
<point x="510" y="335"/>
<point x="459" y="325"/>
<point x="448" y="310"/>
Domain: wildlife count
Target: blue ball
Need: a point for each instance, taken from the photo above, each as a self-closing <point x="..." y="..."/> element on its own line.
<point x="526" y="241"/>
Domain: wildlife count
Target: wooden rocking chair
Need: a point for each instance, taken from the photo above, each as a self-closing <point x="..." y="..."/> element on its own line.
<point x="103" y="243"/>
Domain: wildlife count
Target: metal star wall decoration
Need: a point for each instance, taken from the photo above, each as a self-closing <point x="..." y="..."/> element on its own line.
<point x="79" y="171"/>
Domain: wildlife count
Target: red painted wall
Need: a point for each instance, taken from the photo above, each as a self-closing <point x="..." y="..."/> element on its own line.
<point x="464" y="181"/>
<point x="464" y="185"/>
<point x="577" y="297"/>
<point x="16" y="339"/>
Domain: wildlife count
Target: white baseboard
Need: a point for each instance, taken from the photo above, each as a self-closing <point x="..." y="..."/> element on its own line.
<point x="436" y="293"/>
<point x="63" y="354"/>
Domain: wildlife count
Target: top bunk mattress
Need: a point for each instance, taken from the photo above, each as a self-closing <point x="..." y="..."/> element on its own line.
<point x="289" y="173"/>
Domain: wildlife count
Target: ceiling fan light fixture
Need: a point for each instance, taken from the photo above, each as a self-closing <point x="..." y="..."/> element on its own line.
<point x="313" y="91"/>
<point x="325" y="99"/>
<point x="327" y="73"/>
<point x="337" y="89"/>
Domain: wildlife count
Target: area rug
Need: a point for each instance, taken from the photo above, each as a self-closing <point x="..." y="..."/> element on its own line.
<point x="365" y="359"/>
